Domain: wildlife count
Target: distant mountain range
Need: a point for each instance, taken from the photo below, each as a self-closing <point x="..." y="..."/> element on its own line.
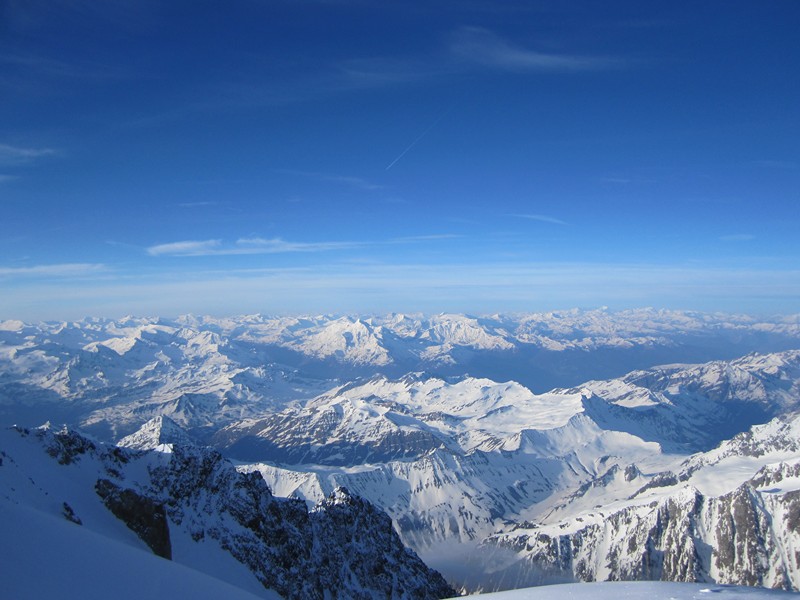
<point x="111" y="376"/>
<point x="687" y="471"/>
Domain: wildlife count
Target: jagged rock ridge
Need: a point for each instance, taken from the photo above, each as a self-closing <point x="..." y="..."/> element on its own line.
<point x="191" y="497"/>
<point x="746" y="537"/>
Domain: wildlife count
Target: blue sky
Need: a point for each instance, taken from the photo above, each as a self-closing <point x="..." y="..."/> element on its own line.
<point x="353" y="156"/>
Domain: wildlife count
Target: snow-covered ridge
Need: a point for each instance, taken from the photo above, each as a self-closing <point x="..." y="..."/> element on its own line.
<point x="110" y="376"/>
<point x="447" y="485"/>
<point x="156" y="432"/>
<point x="679" y="408"/>
<point x="456" y="461"/>
<point x="189" y="505"/>
<point x="382" y="419"/>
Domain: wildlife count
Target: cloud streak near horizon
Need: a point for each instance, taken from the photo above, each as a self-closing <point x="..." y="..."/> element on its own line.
<point x="54" y="270"/>
<point x="491" y="287"/>
<point x="244" y="246"/>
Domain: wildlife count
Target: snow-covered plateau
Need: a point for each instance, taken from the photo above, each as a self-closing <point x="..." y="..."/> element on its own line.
<point x="299" y="457"/>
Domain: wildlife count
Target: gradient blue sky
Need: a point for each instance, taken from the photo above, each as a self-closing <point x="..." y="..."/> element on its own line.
<point x="351" y="156"/>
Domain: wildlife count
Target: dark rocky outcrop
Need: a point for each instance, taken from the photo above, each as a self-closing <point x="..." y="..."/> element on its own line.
<point x="142" y="515"/>
<point x="342" y="548"/>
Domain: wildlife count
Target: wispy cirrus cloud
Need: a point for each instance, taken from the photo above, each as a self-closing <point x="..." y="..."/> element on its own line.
<point x="197" y="204"/>
<point x="347" y="180"/>
<point x="50" y="68"/>
<point x="483" y="47"/>
<point x="426" y="238"/>
<point x="54" y="270"/>
<point x="461" y="51"/>
<point x="12" y="155"/>
<point x="356" y="182"/>
<point x="737" y="237"/>
<point x="375" y="72"/>
<point x="186" y="248"/>
<point x="276" y="245"/>
<point x="542" y="218"/>
<point x="244" y="246"/>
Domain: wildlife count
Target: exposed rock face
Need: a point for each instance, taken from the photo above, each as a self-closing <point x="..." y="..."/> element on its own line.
<point x="299" y="554"/>
<point x="353" y="527"/>
<point x="65" y="446"/>
<point x="746" y="537"/>
<point x="141" y="514"/>
<point x="342" y="548"/>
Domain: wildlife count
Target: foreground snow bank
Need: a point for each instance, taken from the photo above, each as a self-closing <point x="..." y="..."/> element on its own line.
<point x="47" y="557"/>
<point x="651" y="590"/>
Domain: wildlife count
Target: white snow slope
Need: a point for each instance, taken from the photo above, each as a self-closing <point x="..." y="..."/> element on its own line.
<point x="639" y="590"/>
<point x="75" y="509"/>
<point x="46" y="556"/>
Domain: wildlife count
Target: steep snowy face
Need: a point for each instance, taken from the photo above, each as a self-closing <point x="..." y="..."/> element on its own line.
<point x="774" y="440"/>
<point x="695" y="407"/>
<point x="154" y="433"/>
<point x="441" y="504"/>
<point x="728" y="515"/>
<point x="382" y="420"/>
<point x="745" y="537"/>
<point x="190" y="505"/>
<point x="503" y="458"/>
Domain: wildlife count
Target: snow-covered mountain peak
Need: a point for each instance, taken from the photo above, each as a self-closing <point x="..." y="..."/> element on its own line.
<point x="12" y="325"/>
<point x="156" y="432"/>
<point x="450" y="330"/>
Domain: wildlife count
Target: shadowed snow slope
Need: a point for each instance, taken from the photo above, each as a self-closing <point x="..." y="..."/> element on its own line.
<point x="45" y="556"/>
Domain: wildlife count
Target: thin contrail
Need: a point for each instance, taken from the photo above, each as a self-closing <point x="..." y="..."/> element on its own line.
<point x="421" y="135"/>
